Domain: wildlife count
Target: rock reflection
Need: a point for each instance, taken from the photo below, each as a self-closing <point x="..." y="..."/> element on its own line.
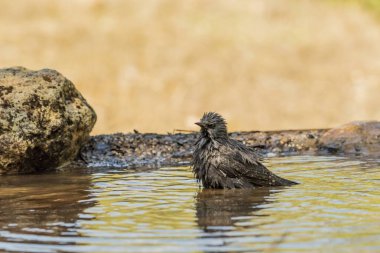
<point x="43" y="204"/>
<point x="220" y="210"/>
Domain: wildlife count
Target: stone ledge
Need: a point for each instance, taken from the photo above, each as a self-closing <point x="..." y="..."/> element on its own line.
<point x="150" y="150"/>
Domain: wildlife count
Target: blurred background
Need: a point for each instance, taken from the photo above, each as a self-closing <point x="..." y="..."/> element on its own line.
<point x="157" y="65"/>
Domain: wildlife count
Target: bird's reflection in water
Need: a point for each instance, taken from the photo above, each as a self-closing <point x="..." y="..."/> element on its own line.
<point x="220" y="210"/>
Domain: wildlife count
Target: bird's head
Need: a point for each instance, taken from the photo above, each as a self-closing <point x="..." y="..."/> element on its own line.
<point x="213" y="126"/>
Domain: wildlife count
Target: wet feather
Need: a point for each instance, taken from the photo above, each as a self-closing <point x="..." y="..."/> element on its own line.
<point x="221" y="162"/>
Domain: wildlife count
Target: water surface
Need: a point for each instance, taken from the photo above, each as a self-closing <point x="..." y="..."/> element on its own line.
<point x="335" y="208"/>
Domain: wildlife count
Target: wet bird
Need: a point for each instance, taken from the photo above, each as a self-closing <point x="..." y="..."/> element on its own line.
<point x="221" y="162"/>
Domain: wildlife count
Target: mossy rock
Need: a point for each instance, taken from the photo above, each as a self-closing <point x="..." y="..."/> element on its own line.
<point x="44" y="120"/>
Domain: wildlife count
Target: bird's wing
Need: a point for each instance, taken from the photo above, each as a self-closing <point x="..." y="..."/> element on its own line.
<point x="248" y="153"/>
<point x="241" y="162"/>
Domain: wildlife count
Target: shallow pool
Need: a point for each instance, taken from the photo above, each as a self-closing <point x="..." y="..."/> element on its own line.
<point x="335" y="208"/>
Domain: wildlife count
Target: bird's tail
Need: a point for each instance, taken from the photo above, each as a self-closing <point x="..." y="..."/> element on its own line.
<point x="279" y="181"/>
<point x="268" y="178"/>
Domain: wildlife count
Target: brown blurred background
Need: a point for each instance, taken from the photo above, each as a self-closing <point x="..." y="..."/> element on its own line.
<point x="157" y="65"/>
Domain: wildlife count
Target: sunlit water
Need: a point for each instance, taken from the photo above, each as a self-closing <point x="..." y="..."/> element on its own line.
<point x="335" y="208"/>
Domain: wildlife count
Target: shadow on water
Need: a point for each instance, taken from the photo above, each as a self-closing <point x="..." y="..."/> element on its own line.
<point x="48" y="204"/>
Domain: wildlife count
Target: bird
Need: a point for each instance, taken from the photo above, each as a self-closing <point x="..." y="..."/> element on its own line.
<point x="220" y="162"/>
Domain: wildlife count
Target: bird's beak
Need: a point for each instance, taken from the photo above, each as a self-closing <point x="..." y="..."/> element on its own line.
<point x="199" y="124"/>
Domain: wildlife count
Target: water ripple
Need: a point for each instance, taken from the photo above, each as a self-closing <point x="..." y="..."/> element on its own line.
<point x="334" y="209"/>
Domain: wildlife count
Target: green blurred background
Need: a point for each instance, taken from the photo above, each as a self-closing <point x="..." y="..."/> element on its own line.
<point x="157" y="65"/>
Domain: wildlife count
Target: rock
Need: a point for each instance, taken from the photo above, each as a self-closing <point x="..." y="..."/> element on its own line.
<point x="154" y="150"/>
<point x="359" y="138"/>
<point x="44" y="120"/>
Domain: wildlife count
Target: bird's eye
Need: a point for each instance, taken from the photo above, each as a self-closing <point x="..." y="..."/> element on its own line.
<point x="210" y="125"/>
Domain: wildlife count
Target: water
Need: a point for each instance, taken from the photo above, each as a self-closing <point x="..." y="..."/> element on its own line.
<point x="335" y="209"/>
